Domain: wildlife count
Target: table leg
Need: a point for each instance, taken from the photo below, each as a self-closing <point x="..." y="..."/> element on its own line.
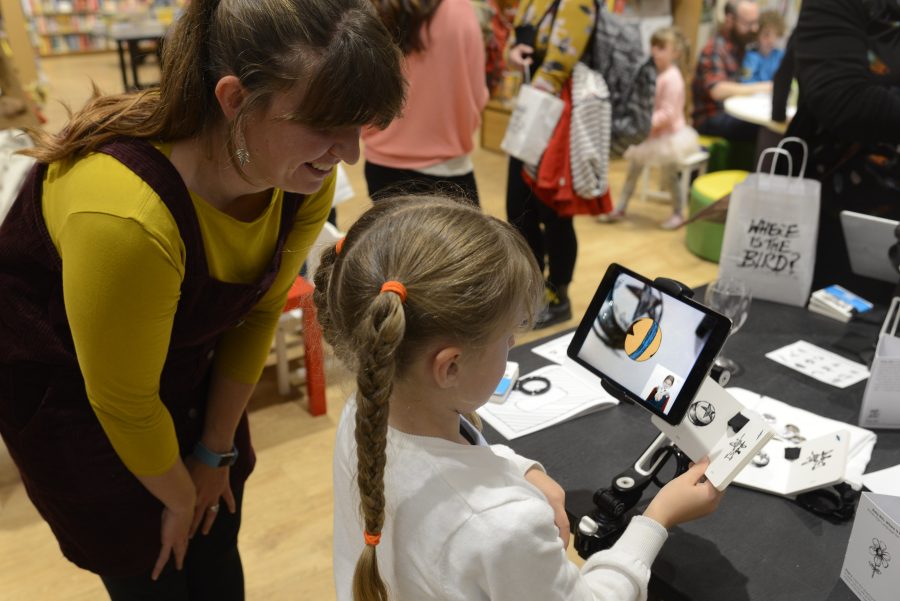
<point x="121" y="49"/>
<point x="135" y="59"/>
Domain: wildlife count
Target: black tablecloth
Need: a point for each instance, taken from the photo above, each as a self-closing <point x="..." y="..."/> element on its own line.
<point x="756" y="546"/>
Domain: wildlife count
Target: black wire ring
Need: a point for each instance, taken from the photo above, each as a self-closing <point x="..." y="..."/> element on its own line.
<point x="520" y="385"/>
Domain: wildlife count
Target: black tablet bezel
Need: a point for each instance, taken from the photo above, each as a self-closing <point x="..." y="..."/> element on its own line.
<point x="721" y="326"/>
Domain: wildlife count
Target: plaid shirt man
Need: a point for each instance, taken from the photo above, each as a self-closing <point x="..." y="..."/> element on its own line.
<point x="720" y="60"/>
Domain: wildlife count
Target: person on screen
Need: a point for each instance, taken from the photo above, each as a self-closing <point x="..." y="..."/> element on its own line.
<point x="661" y="395"/>
<point x="422" y="300"/>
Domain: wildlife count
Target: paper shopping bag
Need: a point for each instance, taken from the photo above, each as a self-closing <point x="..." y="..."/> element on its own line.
<point x="531" y="124"/>
<point x="771" y="232"/>
<point x="881" y="402"/>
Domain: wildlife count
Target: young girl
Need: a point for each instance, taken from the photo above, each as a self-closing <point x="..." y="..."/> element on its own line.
<point x="671" y="138"/>
<point x="422" y="300"/>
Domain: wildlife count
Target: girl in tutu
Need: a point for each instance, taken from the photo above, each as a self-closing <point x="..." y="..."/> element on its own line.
<point x="671" y="138"/>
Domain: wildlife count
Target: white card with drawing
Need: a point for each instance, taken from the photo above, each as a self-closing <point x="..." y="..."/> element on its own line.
<point x="820" y="364"/>
<point x="788" y="469"/>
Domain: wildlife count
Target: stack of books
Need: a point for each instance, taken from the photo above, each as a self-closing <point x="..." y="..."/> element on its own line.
<point x="838" y="303"/>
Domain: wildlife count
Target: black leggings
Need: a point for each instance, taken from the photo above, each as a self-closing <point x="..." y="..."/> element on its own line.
<point x="555" y="245"/>
<point x="384" y="182"/>
<point x="728" y="127"/>
<point x="212" y="568"/>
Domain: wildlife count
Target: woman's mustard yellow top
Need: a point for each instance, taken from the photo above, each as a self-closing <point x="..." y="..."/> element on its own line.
<point x="121" y="294"/>
<point x="562" y="41"/>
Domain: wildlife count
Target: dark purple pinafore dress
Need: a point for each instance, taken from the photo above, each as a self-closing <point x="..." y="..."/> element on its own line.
<point x="104" y="519"/>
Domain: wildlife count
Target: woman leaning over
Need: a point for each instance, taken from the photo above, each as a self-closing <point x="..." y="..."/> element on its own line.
<point x="144" y="266"/>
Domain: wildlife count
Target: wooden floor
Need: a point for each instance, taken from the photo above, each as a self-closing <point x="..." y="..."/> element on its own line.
<point x="286" y="535"/>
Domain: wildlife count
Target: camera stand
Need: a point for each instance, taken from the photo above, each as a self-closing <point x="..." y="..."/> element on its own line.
<point x="601" y="528"/>
<point x="716" y="426"/>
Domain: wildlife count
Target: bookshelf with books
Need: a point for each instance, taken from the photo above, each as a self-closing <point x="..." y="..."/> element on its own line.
<point x="60" y="27"/>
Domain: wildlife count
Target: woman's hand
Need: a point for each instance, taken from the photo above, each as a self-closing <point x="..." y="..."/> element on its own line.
<point x="212" y="484"/>
<point x="687" y="497"/>
<point x="176" y="523"/>
<point x="556" y="496"/>
<point x="520" y="56"/>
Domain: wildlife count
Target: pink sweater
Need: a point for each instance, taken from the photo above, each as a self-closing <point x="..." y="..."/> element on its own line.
<point x="447" y="92"/>
<point x="668" y="105"/>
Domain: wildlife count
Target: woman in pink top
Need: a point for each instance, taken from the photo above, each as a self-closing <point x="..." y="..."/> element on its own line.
<point x="671" y="138"/>
<point x="428" y="147"/>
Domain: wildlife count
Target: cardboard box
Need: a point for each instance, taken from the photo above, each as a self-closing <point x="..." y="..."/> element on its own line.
<point x="493" y="124"/>
<point x="12" y="95"/>
<point x="870" y="566"/>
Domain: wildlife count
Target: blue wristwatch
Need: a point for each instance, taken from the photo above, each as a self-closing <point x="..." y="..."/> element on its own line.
<point x="204" y="455"/>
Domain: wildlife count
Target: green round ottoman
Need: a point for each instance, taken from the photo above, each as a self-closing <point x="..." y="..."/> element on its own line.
<point x="704" y="238"/>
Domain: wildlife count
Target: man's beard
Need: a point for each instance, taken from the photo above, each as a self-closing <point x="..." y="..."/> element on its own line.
<point x="743" y="39"/>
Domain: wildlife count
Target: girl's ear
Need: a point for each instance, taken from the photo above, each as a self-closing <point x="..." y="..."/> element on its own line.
<point x="445" y="367"/>
<point x="230" y="94"/>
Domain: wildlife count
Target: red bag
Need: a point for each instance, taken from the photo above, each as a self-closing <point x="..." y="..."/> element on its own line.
<point x="554" y="175"/>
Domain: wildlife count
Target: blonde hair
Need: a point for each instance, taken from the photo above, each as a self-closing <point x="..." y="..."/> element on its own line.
<point x="338" y="50"/>
<point x="672" y="35"/>
<point x="773" y="20"/>
<point x="467" y="275"/>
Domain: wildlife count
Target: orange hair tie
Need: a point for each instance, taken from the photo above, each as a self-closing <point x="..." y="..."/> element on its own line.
<point x="372" y="539"/>
<point x="395" y="287"/>
<point x="339" y="245"/>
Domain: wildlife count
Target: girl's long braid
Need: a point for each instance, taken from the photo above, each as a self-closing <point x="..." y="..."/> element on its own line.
<point x="381" y="332"/>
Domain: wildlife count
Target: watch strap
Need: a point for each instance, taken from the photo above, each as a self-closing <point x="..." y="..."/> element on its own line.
<point x="213" y="459"/>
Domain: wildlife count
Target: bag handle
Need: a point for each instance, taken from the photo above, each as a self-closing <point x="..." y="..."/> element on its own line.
<point x="892" y="321"/>
<point x="805" y="147"/>
<point x="779" y="152"/>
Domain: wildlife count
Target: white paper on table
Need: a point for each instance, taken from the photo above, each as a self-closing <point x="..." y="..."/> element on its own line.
<point x="554" y="350"/>
<point x="569" y="397"/>
<point x="885" y="482"/>
<point x="820" y="364"/>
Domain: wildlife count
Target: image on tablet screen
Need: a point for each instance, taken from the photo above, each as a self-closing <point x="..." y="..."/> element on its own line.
<point x="646" y="341"/>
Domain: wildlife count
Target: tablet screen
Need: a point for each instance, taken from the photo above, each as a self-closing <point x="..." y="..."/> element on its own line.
<point x="654" y="347"/>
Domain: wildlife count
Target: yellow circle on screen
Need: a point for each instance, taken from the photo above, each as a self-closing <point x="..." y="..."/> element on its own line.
<point x="643" y="339"/>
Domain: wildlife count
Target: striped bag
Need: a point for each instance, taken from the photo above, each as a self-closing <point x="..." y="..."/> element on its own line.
<point x="589" y="133"/>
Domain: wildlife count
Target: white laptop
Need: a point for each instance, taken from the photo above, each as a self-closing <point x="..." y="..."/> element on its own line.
<point x="868" y="240"/>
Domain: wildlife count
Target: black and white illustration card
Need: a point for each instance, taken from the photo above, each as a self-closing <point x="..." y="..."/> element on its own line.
<point x="872" y="563"/>
<point x="790" y="465"/>
<point x="718" y="426"/>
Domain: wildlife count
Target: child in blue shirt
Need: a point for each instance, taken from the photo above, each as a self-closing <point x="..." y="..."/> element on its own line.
<point x="761" y="63"/>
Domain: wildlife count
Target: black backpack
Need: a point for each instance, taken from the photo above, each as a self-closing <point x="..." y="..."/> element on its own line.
<point x="616" y="53"/>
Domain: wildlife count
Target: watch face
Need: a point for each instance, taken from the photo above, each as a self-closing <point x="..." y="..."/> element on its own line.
<point x="227" y="459"/>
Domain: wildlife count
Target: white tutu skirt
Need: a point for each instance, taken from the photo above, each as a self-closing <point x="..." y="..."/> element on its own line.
<point x="665" y="149"/>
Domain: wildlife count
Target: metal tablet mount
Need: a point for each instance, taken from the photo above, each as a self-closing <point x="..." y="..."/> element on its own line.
<point x="716" y="426"/>
<point x="602" y="527"/>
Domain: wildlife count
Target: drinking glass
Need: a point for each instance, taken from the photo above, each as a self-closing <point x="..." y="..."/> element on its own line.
<point x="731" y="298"/>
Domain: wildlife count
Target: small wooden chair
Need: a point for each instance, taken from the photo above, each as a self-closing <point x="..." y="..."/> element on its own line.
<point x="300" y="314"/>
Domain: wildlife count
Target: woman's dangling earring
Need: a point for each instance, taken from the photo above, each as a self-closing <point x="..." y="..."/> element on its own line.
<point x="243" y="156"/>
